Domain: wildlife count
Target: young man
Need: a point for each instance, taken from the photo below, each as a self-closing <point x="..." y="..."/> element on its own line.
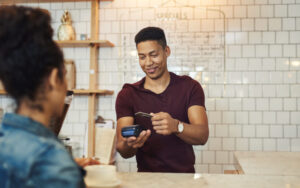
<point x="33" y="74"/>
<point x="176" y="104"/>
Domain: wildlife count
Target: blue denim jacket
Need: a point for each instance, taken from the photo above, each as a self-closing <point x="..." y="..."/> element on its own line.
<point x="32" y="156"/>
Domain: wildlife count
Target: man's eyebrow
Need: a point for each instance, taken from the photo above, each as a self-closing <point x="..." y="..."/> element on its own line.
<point x="151" y="52"/>
<point x="154" y="51"/>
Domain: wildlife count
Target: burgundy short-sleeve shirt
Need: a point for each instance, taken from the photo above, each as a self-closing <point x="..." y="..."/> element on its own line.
<point x="162" y="153"/>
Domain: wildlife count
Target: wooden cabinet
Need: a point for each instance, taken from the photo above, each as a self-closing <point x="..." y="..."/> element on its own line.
<point x="94" y="43"/>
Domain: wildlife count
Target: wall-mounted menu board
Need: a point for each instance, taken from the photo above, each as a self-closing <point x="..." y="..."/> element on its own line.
<point x="196" y="36"/>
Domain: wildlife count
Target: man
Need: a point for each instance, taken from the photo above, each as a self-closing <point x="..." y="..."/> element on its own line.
<point x="33" y="74"/>
<point x="176" y="104"/>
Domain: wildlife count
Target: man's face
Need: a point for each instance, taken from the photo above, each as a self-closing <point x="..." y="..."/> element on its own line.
<point x="153" y="58"/>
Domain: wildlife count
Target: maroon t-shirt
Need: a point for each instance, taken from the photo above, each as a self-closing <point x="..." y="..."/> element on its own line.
<point x="162" y="153"/>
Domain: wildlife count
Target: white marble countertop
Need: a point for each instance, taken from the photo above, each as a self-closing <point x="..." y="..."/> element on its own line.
<point x="172" y="180"/>
<point x="269" y="163"/>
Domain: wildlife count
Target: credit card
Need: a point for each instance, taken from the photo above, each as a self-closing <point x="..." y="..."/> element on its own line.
<point x="143" y="114"/>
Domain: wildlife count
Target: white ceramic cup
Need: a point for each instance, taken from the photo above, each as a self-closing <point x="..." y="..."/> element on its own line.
<point x="100" y="175"/>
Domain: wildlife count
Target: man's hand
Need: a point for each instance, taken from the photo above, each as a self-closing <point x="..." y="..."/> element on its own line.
<point x="139" y="141"/>
<point x="86" y="161"/>
<point x="163" y="123"/>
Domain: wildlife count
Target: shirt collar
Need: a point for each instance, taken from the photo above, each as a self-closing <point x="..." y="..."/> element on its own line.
<point x="140" y="84"/>
<point x="26" y="124"/>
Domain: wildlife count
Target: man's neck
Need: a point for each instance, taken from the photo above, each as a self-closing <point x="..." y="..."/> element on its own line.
<point x="35" y="114"/>
<point x="158" y="85"/>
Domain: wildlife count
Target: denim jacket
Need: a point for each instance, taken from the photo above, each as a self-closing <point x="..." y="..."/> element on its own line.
<point x="32" y="156"/>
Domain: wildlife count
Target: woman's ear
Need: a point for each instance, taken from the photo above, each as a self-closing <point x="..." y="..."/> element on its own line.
<point x="53" y="78"/>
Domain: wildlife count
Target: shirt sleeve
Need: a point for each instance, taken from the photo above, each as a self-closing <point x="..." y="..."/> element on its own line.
<point x="56" y="168"/>
<point x="197" y="96"/>
<point x="124" y="106"/>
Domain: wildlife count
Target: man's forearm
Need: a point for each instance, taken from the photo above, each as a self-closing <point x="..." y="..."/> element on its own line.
<point x="125" y="150"/>
<point x="194" y="134"/>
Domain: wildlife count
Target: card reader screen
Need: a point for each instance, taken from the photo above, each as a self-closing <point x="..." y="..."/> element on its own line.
<point x="128" y="133"/>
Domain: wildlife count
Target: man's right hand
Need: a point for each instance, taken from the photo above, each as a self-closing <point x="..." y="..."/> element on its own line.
<point x="127" y="147"/>
<point x="137" y="142"/>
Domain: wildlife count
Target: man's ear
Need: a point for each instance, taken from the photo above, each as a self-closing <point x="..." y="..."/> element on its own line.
<point x="168" y="51"/>
<point x="53" y="78"/>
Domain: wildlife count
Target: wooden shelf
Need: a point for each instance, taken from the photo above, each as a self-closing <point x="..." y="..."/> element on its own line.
<point x="85" y="43"/>
<point x="93" y="91"/>
<point x="82" y="92"/>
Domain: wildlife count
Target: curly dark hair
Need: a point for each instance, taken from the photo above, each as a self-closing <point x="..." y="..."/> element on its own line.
<point x="27" y="51"/>
<point x="151" y="33"/>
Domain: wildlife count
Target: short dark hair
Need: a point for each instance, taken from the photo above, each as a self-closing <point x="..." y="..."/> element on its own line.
<point x="151" y="33"/>
<point x="28" y="53"/>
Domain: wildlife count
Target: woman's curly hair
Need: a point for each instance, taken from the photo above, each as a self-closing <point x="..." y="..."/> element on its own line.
<point x="27" y="51"/>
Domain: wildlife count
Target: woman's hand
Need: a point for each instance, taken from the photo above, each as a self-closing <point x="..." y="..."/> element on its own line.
<point x="86" y="161"/>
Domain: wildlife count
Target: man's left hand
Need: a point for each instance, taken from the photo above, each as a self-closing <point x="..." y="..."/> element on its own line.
<point x="163" y="123"/>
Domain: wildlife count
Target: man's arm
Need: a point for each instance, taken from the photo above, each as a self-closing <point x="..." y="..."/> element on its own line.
<point x="195" y="133"/>
<point x="127" y="147"/>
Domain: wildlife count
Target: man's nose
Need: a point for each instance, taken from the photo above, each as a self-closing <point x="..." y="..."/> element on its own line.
<point x="149" y="61"/>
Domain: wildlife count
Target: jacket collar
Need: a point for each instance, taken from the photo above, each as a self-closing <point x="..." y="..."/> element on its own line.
<point x="27" y="124"/>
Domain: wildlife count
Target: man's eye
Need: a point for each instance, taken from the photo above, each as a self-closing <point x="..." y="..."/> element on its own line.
<point x="142" y="57"/>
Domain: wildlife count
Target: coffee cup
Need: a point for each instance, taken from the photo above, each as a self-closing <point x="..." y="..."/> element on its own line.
<point x="98" y="175"/>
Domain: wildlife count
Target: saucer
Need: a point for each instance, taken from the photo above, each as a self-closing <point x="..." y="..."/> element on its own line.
<point x="107" y="185"/>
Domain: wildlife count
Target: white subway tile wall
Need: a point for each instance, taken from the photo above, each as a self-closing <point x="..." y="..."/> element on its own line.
<point x="252" y="90"/>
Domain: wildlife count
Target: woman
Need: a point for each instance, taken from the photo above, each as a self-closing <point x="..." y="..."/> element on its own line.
<point x="33" y="74"/>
